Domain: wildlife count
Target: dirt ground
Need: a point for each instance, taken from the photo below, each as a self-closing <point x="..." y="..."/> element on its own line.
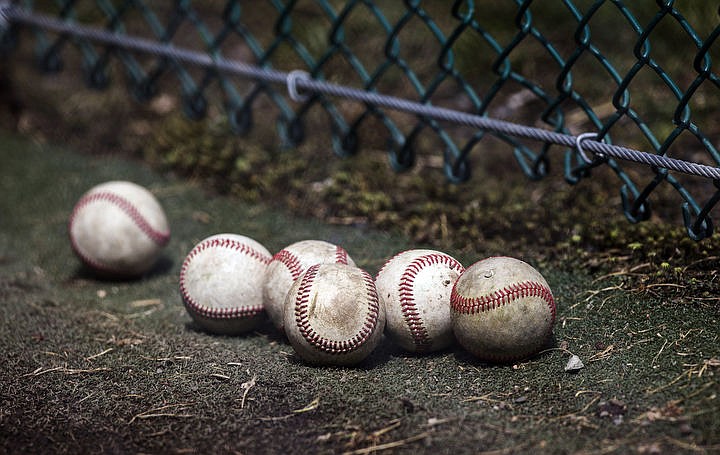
<point x="118" y="367"/>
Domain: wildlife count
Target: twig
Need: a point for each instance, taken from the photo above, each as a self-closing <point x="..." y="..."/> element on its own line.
<point x="593" y="401"/>
<point x="601" y="355"/>
<point x="246" y="386"/>
<point x="141" y="314"/>
<point x="311" y="406"/>
<point x="95" y="356"/>
<point x="663" y="387"/>
<point x="660" y="285"/>
<point x="161" y="414"/>
<point x="594" y="292"/>
<point x="152" y="413"/>
<point x="714" y="362"/>
<point x="485" y="398"/>
<point x="619" y="273"/>
<point x="377" y="433"/>
<point x="659" y="352"/>
<point x="145" y="302"/>
<point x="84" y="371"/>
<point x="389" y="445"/>
<point x="219" y="376"/>
<point x="167" y="359"/>
<point x="39" y="370"/>
<point x="434" y="421"/>
<point x="109" y="316"/>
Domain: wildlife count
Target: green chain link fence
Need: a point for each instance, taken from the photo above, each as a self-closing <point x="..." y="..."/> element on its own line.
<point x="579" y="74"/>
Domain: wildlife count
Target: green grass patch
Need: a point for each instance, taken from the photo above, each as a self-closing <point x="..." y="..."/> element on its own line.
<point x="116" y="366"/>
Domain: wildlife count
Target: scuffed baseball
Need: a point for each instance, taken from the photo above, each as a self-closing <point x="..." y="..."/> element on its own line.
<point x="502" y="310"/>
<point x="333" y="315"/>
<point x="118" y="229"/>
<point x="415" y="288"/>
<point x="288" y="264"/>
<point x="221" y="283"/>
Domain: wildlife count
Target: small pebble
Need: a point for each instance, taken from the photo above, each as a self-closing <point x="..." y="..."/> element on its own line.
<point x="574" y="364"/>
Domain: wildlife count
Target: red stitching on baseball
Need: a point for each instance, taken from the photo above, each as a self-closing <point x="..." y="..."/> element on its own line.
<point x="409" y="308"/>
<point x="302" y="303"/>
<point x="474" y="305"/>
<point x="290" y="261"/>
<point x="220" y="313"/>
<point x="159" y="237"/>
<point x="341" y="256"/>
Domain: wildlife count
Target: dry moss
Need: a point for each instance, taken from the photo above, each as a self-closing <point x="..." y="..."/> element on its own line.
<point x="498" y="212"/>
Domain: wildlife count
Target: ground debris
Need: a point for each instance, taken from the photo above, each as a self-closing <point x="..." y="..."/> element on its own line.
<point x="389" y="445"/>
<point x="602" y="355"/>
<point x="613" y="409"/>
<point x="95" y="356"/>
<point x="375" y="437"/>
<point x="246" y="386"/>
<point x="65" y="370"/>
<point x="670" y="412"/>
<point x="574" y="364"/>
<point x="311" y="406"/>
<point x="170" y="410"/>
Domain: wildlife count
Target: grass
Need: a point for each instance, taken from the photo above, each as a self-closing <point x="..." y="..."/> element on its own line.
<point x="118" y="366"/>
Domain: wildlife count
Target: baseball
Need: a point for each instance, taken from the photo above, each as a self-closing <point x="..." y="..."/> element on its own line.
<point x="333" y="315"/>
<point x="221" y="283"/>
<point x="502" y="310"/>
<point x="118" y="229"/>
<point x="415" y="288"/>
<point x="287" y="266"/>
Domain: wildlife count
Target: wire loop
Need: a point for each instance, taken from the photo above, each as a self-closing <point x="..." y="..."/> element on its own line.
<point x="291" y="82"/>
<point x="578" y="146"/>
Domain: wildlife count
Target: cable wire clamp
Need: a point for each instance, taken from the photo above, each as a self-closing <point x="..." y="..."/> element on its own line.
<point x="578" y="146"/>
<point x="291" y="82"/>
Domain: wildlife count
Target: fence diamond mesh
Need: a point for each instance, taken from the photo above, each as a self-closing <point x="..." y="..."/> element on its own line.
<point x="601" y="83"/>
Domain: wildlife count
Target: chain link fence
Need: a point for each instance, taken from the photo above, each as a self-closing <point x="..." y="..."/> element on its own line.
<point x="554" y="80"/>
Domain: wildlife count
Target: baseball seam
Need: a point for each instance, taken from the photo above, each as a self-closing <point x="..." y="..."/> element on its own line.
<point x="157" y="236"/>
<point x="302" y="304"/>
<point x="408" y="306"/>
<point x="220" y="313"/>
<point x="290" y="261"/>
<point x="474" y="305"/>
<point x="341" y="256"/>
<point x="466" y="305"/>
<point x="161" y="238"/>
